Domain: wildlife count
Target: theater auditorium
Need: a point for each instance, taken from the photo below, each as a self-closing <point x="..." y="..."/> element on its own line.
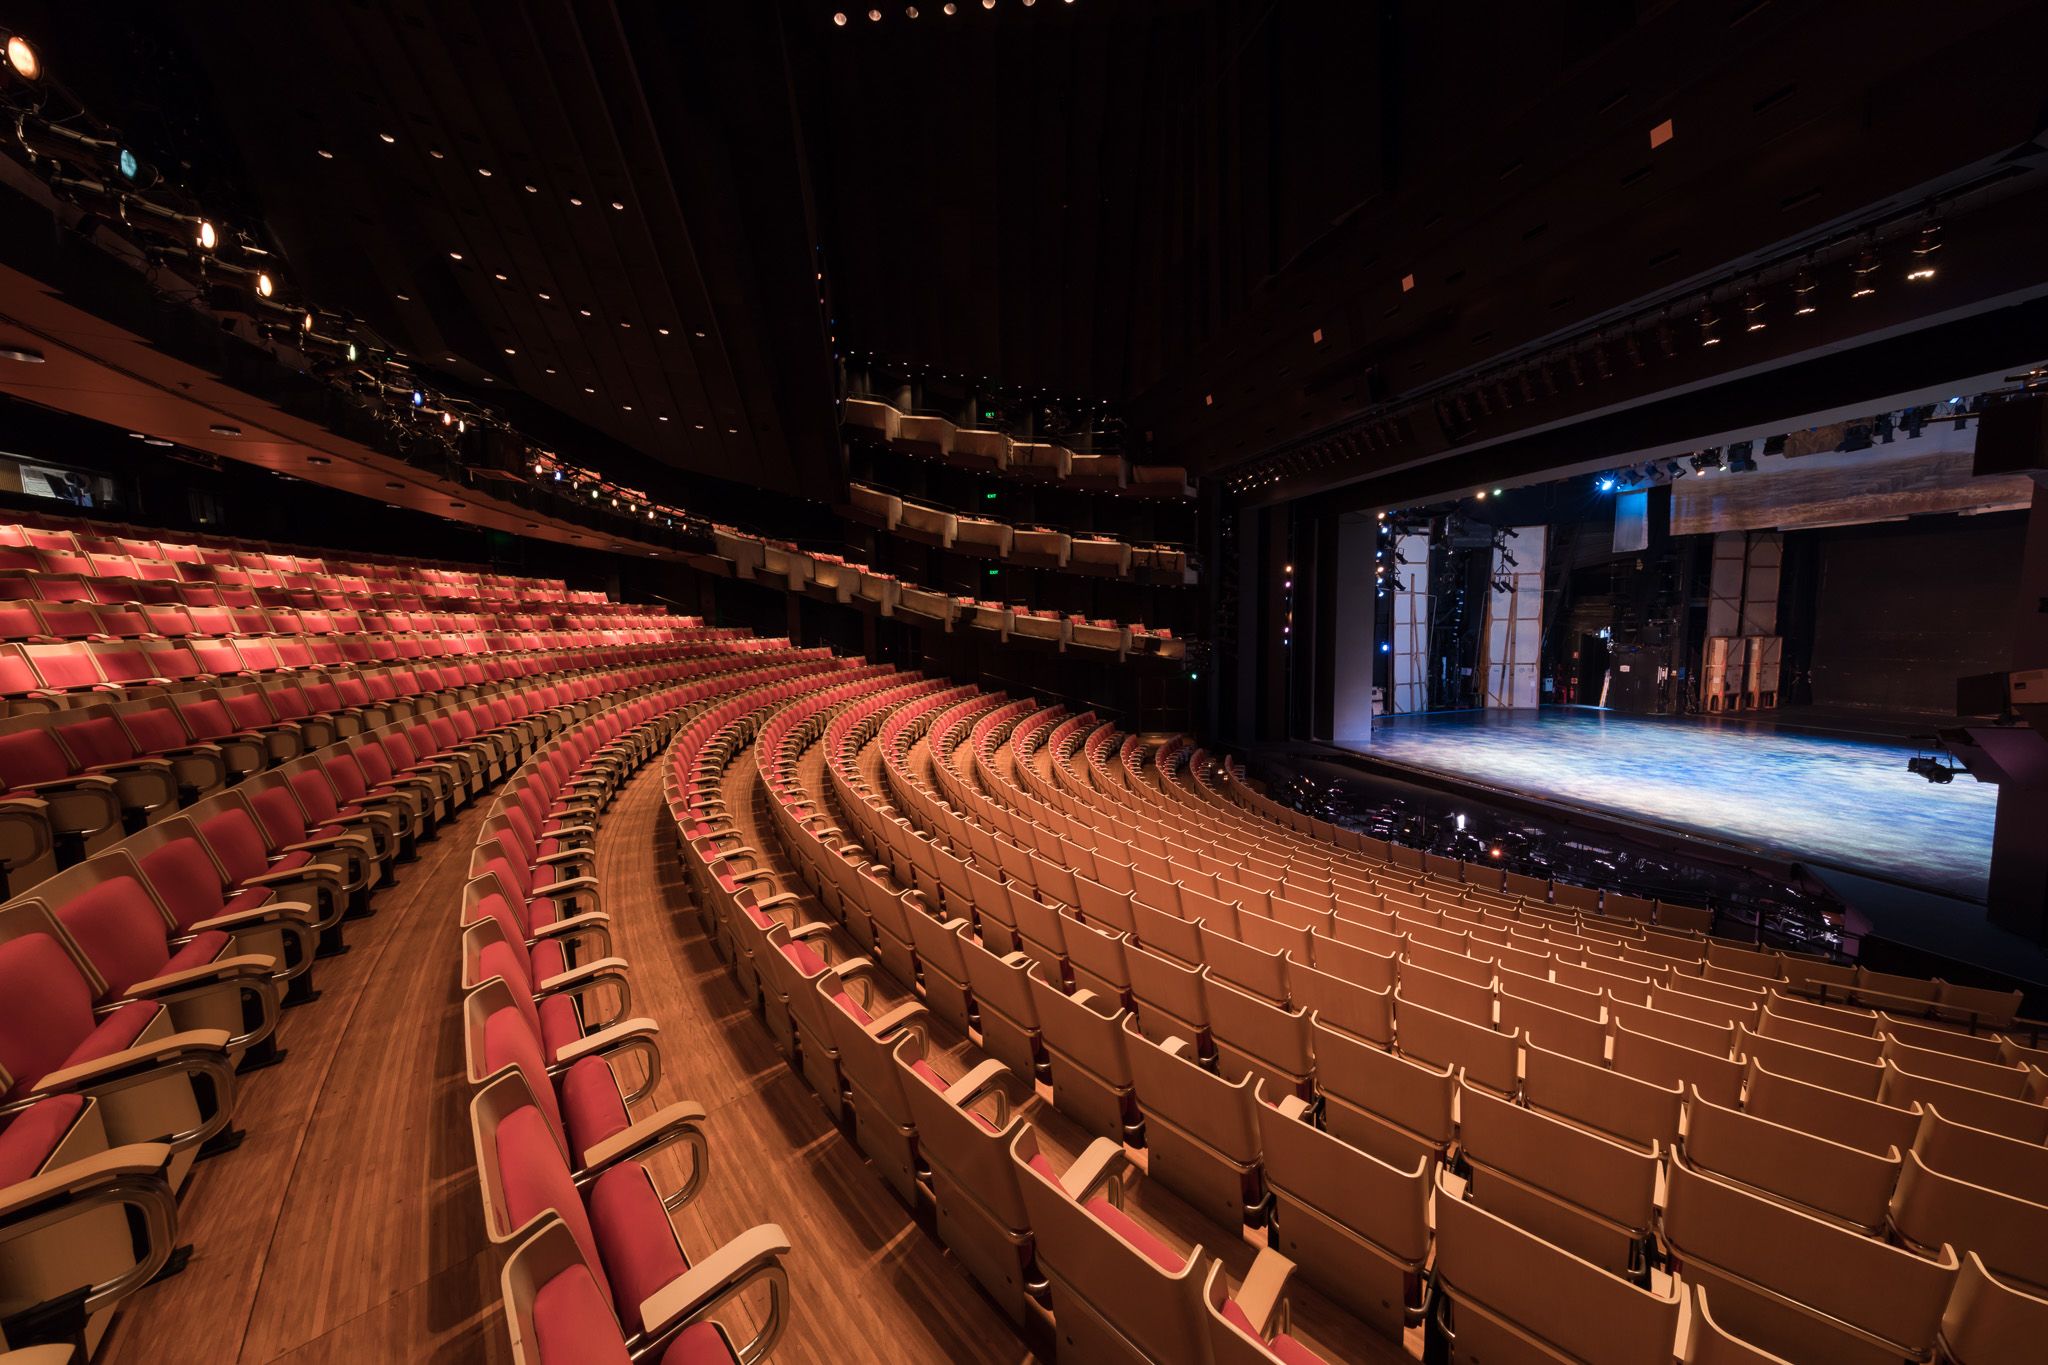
<point x="1114" y="682"/>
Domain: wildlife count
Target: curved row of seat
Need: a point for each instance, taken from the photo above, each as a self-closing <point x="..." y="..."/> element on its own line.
<point x="783" y="565"/>
<point x="1028" y="546"/>
<point x="598" y="1272"/>
<point x="1537" y="1128"/>
<point x="980" y="448"/>
<point x="139" y="983"/>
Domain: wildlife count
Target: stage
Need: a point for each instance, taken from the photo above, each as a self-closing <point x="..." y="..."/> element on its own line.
<point x="1846" y="802"/>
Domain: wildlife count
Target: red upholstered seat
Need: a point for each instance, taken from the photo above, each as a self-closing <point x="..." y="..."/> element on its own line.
<point x="806" y="959"/>
<point x="573" y="1322"/>
<point x="189" y="884"/>
<point x="118" y="927"/>
<point x="204" y="948"/>
<point x="27" y="1143"/>
<point x="591" y="1106"/>
<point x="1124" y="1226"/>
<point x="115" y="1033"/>
<point x="633" y="1234"/>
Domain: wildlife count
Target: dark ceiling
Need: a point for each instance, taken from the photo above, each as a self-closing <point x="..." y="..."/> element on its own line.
<point x="1201" y="209"/>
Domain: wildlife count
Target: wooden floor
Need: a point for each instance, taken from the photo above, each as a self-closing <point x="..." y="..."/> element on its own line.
<point x="348" y="1226"/>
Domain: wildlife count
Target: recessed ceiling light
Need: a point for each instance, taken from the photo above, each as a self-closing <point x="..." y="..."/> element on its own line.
<point x="326" y="155"/>
<point x="662" y="418"/>
<point x="698" y="335"/>
<point x="510" y="351"/>
<point x="575" y="202"/>
<point x="588" y="389"/>
<point x="629" y="407"/>
<point x="584" y="311"/>
<point x="454" y="255"/>
<point x="386" y="137"/>
<point x="627" y="325"/>
<point x="533" y="189"/>
<point x="497" y="277"/>
<point x="405" y="298"/>
<point x="732" y="431"/>
<point x="699" y="426"/>
<point x="662" y="330"/>
<point x="550" y="369"/>
<point x="434" y="153"/>
<point x="484" y="171"/>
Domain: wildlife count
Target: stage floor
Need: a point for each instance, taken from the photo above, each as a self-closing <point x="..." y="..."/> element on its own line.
<point x="1846" y="802"/>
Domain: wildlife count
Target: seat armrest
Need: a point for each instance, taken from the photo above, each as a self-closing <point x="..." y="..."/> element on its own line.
<point x="721" y="1274"/>
<point x="134" y="1161"/>
<point x="200" y="1041"/>
<point x="1102" y="1164"/>
<point x="241" y="966"/>
<point x="667" y="1125"/>
<point x="907" y="1015"/>
<point x="267" y="913"/>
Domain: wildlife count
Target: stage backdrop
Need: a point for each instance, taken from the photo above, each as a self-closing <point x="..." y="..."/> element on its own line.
<point x="1903" y="609"/>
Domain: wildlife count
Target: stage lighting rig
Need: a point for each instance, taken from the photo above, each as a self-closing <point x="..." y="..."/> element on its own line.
<point x="1932" y="768"/>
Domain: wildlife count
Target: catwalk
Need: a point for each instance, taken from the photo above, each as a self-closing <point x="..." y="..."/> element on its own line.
<point x="1845" y="802"/>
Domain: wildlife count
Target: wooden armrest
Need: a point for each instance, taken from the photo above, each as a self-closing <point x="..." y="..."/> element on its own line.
<point x="136" y="1159"/>
<point x="213" y="1041"/>
<point x="1102" y="1163"/>
<point x="962" y="1092"/>
<point x="588" y="921"/>
<point x="1264" y="1289"/>
<point x="239" y="967"/>
<point x="703" y="1284"/>
<point x="568" y="886"/>
<point x="902" y="1016"/>
<point x="586" y="972"/>
<point x="660" y="1128"/>
<point x="607" y="1039"/>
<point x="262" y="914"/>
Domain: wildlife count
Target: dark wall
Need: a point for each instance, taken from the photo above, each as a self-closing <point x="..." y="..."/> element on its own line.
<point x="1902" y="610"/>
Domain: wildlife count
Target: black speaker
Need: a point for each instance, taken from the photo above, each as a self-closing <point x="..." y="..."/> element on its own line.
<point x="2012" y="437"/>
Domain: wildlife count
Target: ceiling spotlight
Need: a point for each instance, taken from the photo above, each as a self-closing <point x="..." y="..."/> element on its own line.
<point x="1803" y="288"/>
<point x="874" y="16"/>
<point x="574" y="202"/>
<point x="352" y="353"/>
<point x="484" y="171"/>
<point x="1930" y="241"/>
<point x="454" y="255"/>
<point x="1709" y="320"/>
<point x="386" y="137"/>
<point x="1753" y="306"/>
<point x="208" y="238"/>
<point x="949" y="8"/>
<point x="264" y="286"/>
<point x="618" y="205"/>
<point x="910" y="11"/>
<point x="988" y="4"/>
<point x="1866" y="268"/>
<point x="24" y="59"/>
<point x="840" y="19"/>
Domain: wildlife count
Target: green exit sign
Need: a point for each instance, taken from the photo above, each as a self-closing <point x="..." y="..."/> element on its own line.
<point x="988" y="414"/>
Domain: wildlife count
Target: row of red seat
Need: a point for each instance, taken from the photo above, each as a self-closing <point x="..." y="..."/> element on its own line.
<point x="135" y="984"/>
<point x="597" y="1272"/>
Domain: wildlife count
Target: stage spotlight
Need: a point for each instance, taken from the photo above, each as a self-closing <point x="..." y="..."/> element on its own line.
<point x="264" y="286"/>
<point x="1386" y="648"/>
<point x="22" y="56"/>
<point x="1804" y="287"/>
<point x="1923" y="250"/>
<point x="1881" y="428"/>
<point x="1605" y="483"/>
<point x="208" y="238"/>
<point x="1866" y="271"/>
<point x="1706" y="460"/>
<point x="1774" y="445"/>
<point x="1709" y="321"/>
<point x="1740" y="459"/>
<point x="1933" y="769"/>
<point x="1753" y="308"/>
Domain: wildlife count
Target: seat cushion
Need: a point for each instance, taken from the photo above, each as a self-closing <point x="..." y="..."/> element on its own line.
<point x="1126" y="1227"/>
<point x="806" y="959"/>
<point x="698" y="1344"/>
<point x="204" y="948"/>
<point x="559" y="1024"/>
<point x="573" y="1325"/>
<point x="542" y="911"/>
<point x="633" y="1237"/>
<point x="115" y="1033"/>
<point x="1282" y="1347"/>
<point x="27" y="1143"/>
<point x="591" y="1105"/>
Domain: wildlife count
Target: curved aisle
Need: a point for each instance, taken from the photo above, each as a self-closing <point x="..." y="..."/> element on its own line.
<point x="867" y="1282"/>
<point x="347" y="1225"/>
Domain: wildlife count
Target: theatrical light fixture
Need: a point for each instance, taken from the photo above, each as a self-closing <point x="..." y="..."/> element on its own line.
<point x="1709" y="320"/>
<point x="1923" y="250"/>
<point x="1753" y="306"/>
<point x="27" y="355"/>
<point x="23" y="58"/>
<point x="208" y="238"/>
<point x="264" y="286"/>
<point x="840" y="18"/>
<point x="1803" y="288"/>
<point x="1866" y="268"/>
